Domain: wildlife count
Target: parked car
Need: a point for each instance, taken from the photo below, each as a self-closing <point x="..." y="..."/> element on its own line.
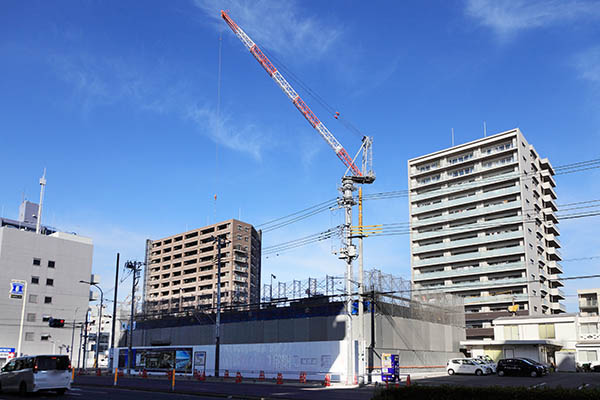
<point x="518" y="366"/>
<point x="545" y="366"/>
<point x="466" y="366"/>
<point x="489" y="362"/>
<point x="35" y="373"/>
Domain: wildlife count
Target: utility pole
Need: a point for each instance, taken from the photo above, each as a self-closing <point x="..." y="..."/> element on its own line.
<point x="348" y="253"/>
<point x="361" y="311"/>
<point x="79" y="347"/>
<point x="87" y="313"/>
<point x="218" y="318"/>
<point x="114" y="318"/>
<point x="372" y="346"/>
<point x="135" y="267"/>
<point x="99" y="330"/>
<point x="39" y="216"/>
<point x="24" y="299"/>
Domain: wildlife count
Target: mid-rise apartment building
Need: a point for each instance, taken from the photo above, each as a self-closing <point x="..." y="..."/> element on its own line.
<point x="483" y="226"/>
<point x="181" y="272"/>
<point x="588" y="301"/>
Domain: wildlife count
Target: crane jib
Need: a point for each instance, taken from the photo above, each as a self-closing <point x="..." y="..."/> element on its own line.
<point x="291" y="93"/>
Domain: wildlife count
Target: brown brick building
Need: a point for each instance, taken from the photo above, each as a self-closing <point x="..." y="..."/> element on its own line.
<point x="181" y="272"/>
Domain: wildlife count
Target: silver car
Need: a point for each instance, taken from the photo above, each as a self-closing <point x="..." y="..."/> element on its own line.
<point x="35" y="373"/>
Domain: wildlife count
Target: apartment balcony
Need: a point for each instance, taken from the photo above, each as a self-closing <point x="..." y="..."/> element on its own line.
<point x="479" y="197"/>
<point x="554" y="268"/>
<point x="449" y="191"/>
<point x="553" y="254"/>
<point x="549" y="203"/>
<point x="237" y="278"/>
<point x="549" y="215"/>
<point x="552" y="240"/>
<point x="555" y="280"/>
<point x="496" y="299"/>
<point x="479" y="333"/>
<point x="469" y="256"/>
<point x="480" y="240"/>
<point x="479" y="211"/>
<point x="458" y="287"/>
<point x="556" y="292"/>
<point x="240" y="269"/>
<point x="558" y="308"/>
<point x="551" y="228"/>
<point x="548" y="190"/>
<point x="418" y="277"/>
<point x="547" y="177"/>
<point x="466" y="228"/>
<point x="545" y="165"/>
<point x="586" y="304"/>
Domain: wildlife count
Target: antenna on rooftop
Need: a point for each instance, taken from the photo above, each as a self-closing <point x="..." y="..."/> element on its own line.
<point x="39" y="216"/>
<point x="484" y="129"/>
<point x="452" y="137"/>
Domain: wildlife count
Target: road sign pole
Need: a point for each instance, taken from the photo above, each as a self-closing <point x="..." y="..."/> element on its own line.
<point x="22" y="318"/>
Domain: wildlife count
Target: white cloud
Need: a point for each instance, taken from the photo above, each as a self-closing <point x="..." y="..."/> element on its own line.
<point x="246" y="138"/>
<point x="587" y="64"/>
<point x="102" y="81"/>
<point x="508" y="17"/>
<point x="276" y="25"/>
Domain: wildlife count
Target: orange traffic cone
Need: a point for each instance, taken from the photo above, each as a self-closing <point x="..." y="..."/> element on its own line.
<point x="327" y="381"/>
<point x="226" y="374"/>
<point x="279" y="378"/>
<point x="261" y="376"/>
<point x="408" y="380"/>
<point x="202" y="376"/>
<point x="238" y="377"/>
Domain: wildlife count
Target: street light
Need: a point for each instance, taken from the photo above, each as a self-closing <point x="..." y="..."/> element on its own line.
<point x="271" y="294"/>
<point x="99" y="319"/>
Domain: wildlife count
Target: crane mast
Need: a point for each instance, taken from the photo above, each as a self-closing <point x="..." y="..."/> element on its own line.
<point x="359" y="176"/>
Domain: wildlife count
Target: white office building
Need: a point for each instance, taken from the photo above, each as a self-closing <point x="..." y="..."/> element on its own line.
<point x="483" y="227"/>
<point x="51" y="267"/>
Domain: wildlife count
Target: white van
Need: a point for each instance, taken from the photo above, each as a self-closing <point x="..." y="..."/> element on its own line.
<point x="35" y="373"/>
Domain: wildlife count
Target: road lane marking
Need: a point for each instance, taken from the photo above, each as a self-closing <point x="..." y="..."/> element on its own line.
<point x="538" y="385"/>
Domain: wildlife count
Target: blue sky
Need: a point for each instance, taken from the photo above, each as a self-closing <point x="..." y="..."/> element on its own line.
<point x="118" y="100"/>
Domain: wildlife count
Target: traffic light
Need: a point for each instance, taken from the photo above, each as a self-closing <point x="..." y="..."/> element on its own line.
<point x="56" y="323"/>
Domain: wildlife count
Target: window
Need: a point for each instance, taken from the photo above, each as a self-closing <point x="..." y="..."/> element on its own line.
<point x="35" y="280"/>
<point x="33" y="298"/>
<point x="511" y="332"/>
<point x="29" y="336"/>
<point x="546" y="331"/>
<point x="30" y="317"/>
<point x="587" y="329"/>
<point x="427" y="167"/>
<point x="49" y="282"/>
<point x="50" y="264"/>
<point x="461" y="172"/>
<point x="45" y="318"/>
<point x="37" y="261"/>
<point x="45" y="336"/>
<point x="461" y="158"/>
<point x="47" y="300"/>
<point x="588" y="355"/>
<point x="429" y="179"/>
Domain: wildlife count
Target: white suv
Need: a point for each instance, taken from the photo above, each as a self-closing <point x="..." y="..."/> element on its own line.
<point x="35" y="373"/>
<point x="467" y="366"/>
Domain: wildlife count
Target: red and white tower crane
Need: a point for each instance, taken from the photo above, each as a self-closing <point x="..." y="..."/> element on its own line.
<point x="357" y="175"/>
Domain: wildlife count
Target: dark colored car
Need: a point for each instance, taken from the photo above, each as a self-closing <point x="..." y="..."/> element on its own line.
<point x="519" y="366"/>
<point x="546" y="369"/>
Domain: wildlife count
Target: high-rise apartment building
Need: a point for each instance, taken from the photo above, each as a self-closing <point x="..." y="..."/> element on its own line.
<point x="483" y="226"/>
<point x="181" y="272"/>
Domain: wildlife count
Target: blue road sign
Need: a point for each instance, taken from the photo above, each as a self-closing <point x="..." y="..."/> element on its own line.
<point x="16" y="287"/>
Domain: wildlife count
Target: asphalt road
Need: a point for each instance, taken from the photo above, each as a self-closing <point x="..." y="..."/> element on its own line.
<point x="81" y="393"/>
<point x="564" y="379"/>
<point x="230" y="388"/>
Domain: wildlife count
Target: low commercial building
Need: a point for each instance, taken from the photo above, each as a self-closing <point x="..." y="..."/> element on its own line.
<point x="567" y="341"/>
